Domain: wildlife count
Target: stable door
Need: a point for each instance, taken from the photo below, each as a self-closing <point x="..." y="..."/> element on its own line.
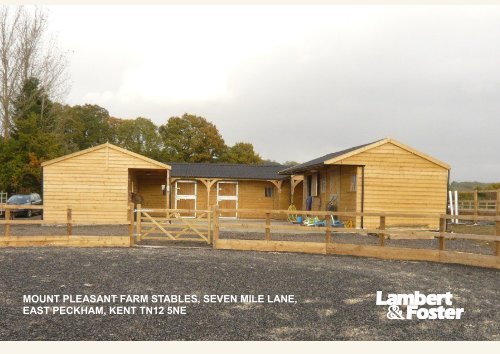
<point x="227" y="198"/>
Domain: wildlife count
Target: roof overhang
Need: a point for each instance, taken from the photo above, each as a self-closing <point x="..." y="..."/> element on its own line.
<point x="109" y="146"/>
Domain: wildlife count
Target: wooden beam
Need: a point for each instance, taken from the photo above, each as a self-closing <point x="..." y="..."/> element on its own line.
<point x="277" y="183"/>
<point x="131" y="223"/>
<point x="381" y="236"/>
<point x="7" y="225"/>
<point x="208" y="182"/>
<point x="498" y="202"/>
<point x="268" y="224"/>
<point x="216" y="225"/>
<point x="497" y="243"/>
<point x="167" y="190"/>
<point x="476" y="202"/>
<point x="328" y="231"/>
<point x="138" y="222"/>
<point x="69" y="221"/>
<point x="64" y="241"/>
<point x="442" y="229"/>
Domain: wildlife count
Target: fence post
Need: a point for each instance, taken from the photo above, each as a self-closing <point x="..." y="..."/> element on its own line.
<point x="131" y="225"/>
<point x="216" y="225"/>
<point x="497" y="223"/>
<point x="476" y="202"/>
<point x="69" y="221"/>
<point x="209" y="222"/>
<point x="7" y="222"/>
<point x="328" y="230"/>
<point x="268" y="226"/>
<point x="138" y="222"/>
<point x="381" y="237"/>
<point x="442" y="229"/>
<point x="498" y="202"/>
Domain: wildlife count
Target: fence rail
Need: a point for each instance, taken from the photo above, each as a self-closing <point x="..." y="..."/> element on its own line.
<point x="329" y="246"/>
<point x="68" y="240"/>
<point x="169" y="224"/>
<point x="479" y="202"/>
<point x="172" y="226"/>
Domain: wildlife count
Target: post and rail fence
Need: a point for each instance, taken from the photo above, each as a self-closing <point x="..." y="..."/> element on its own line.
<point x="171" y="225"/>
<point x="71" y="240"/>
<point x="208" y="226"/>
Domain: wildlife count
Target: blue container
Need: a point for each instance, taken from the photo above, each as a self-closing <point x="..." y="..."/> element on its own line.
<point x="299" y="219"/>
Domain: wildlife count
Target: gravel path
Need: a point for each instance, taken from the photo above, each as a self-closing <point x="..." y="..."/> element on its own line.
<point x="335" y="295"/>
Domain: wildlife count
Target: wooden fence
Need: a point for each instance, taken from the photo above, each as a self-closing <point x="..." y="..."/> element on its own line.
<point x="170" y="225"/>
<point x="479" y="202"/>
<point x="69" y="240"/>
<point x="330" y="246"/>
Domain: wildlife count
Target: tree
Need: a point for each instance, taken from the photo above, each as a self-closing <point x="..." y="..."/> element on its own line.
<point x="26" y="52"/>
<point x="32" y="142"/>
<point x="241" y="153"/>
<point x="91" y="125"/>
<point x="191" y="139"/>
<point x="139" y="135"/>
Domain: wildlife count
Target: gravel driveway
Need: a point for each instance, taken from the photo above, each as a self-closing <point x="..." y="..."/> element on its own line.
<point x="335" y="295"/>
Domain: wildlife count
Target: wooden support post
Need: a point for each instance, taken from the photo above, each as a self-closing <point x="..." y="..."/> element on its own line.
<point x="381" y="237"/>
<point x="268" y="226"/>
<point x="497" y="243"/>
<point x="69" y="221"/>
<point x="442" y="229"/>
<point x="209" y="222"/>
<point x="138" y="222"/>
<point x="131" y="225"/>
<point x="216" y="225"/>
<point x="476" y="204"/>
<point x="328" y="230"/>
<point x="497" y="223"/>
<point x="498" y="202"/>
<point x="7" y="222"/>
<point x="167" y="194"/>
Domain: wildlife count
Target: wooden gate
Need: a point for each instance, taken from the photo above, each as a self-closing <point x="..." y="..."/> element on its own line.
<point x="173" y="226"/>
<point x="227" y="198"/>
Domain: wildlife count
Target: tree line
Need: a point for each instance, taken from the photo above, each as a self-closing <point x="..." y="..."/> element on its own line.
<point x="35" y="127"/>
<point x="42" y="130"/>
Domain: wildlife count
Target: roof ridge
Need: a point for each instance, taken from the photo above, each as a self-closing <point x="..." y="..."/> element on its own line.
<point x="227" y="164"/>
<point x="318" y="160"/>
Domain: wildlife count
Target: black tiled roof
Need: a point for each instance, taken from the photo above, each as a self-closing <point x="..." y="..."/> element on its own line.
<point x="320" y="160"/>
<point x="223" y="170"/>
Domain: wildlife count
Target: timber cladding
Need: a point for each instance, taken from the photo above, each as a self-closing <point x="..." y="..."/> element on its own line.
<point x="397" y="180"/>
<point x="385" y="176"/>
<point x="250" y="194"/>
<point x="95" y="183"/>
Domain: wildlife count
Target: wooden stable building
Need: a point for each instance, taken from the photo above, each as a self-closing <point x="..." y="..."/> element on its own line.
<point x="233" y="186"/>
<point x="99" y="183"/>
<point x="384" y="176"/>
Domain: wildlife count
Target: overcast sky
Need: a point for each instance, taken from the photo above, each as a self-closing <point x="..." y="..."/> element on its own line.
<point x="299" y="82"/>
